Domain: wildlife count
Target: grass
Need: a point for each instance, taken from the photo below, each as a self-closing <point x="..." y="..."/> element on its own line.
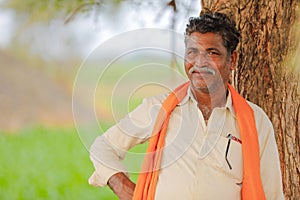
<point x="51" y="163"/>
<point x="45" y="163"/>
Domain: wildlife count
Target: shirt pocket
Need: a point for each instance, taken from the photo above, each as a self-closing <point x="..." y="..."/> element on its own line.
<point x="233" y="162"/>
<point x="231" y="167"/>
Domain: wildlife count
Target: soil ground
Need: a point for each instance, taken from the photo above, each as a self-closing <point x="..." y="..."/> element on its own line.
<point x="29" y="96"/>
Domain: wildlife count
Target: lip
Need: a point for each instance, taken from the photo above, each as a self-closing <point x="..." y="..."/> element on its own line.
<point x="201" y="74"/>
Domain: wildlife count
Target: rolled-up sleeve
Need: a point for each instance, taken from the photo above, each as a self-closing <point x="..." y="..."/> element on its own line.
<point x="109" y="149"/>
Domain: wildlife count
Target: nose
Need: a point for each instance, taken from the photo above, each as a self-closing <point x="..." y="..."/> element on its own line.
<point x="202" y="59"/>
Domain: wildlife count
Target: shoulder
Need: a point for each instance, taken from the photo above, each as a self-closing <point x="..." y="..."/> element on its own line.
<point x="259" y="113"/>
<point x="155" y="100"/>
<point x="262" y="121"/>
<point x="149" y="106"/>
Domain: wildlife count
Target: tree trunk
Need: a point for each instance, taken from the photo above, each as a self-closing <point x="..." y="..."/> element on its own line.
<point x="267" y="71"/>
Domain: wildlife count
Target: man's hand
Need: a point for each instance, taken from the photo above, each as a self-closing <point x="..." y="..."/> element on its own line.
<point x="122" y="186"/>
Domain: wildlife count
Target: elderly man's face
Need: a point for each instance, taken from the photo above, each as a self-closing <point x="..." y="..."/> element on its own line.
<point x="207" y="62"/>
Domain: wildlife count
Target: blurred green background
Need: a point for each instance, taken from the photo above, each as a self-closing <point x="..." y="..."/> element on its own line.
<point x="46" y="163"/>
<point x="42" y="46"/>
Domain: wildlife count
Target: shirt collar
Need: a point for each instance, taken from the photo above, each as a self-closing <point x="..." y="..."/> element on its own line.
<point x="190" y="98"/>
<point x="229" y="104"/>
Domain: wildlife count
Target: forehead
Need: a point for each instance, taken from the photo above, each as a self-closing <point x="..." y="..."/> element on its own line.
<point x="209" y="39"/>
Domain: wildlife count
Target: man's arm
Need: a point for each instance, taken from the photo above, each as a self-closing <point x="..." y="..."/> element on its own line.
<point x="270" y="170"/>
<point x="109" y="149"/>
<point x="122" y="186"/>
<point x="269" y="159"/>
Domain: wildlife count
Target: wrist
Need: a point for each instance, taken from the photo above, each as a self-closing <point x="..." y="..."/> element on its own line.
<point x="115" y="181"/>
<point x="120" y="183"/>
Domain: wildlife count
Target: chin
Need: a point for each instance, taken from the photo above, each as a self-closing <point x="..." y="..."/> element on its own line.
<point x="200" y="85"/>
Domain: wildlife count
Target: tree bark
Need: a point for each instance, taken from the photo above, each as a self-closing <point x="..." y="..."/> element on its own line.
<point x="267" y="71"/>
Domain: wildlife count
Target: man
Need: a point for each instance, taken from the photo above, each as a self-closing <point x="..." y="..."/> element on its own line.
<point x="212" y="149"/>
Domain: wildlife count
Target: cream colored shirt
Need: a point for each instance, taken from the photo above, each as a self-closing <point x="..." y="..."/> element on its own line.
<point x="193" y="162"/>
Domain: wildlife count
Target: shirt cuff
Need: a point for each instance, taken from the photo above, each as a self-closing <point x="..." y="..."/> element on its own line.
<point x="100" y="180"/>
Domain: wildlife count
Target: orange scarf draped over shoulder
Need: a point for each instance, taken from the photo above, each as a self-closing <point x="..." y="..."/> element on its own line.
<point x="252" y="187"/>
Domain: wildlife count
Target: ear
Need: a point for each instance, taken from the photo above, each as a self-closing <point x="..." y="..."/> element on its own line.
<point x="233" y="59"/>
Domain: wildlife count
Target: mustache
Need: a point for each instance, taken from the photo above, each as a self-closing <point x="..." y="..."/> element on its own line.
<point x="203" y="69"/>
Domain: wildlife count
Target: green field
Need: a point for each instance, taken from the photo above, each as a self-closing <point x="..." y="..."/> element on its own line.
<point x="46" y="163"/>
<point x="52" y="163"/>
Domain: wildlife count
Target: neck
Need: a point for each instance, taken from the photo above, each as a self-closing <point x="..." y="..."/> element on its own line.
<point x="207" y="101"/>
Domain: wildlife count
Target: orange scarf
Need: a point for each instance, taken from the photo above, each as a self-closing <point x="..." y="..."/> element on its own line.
<point x="252" y="187"/>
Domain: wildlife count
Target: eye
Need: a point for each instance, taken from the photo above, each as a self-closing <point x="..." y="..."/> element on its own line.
<point x="191" y="53"/>
<point x="213" y="53"/>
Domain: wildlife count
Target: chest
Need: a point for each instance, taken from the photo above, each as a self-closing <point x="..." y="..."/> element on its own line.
<point x="199" y="158"/>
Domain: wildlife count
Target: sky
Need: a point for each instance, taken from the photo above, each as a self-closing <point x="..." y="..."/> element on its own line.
<point x="6" y="27"/>
<point x="56" y="40"/>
